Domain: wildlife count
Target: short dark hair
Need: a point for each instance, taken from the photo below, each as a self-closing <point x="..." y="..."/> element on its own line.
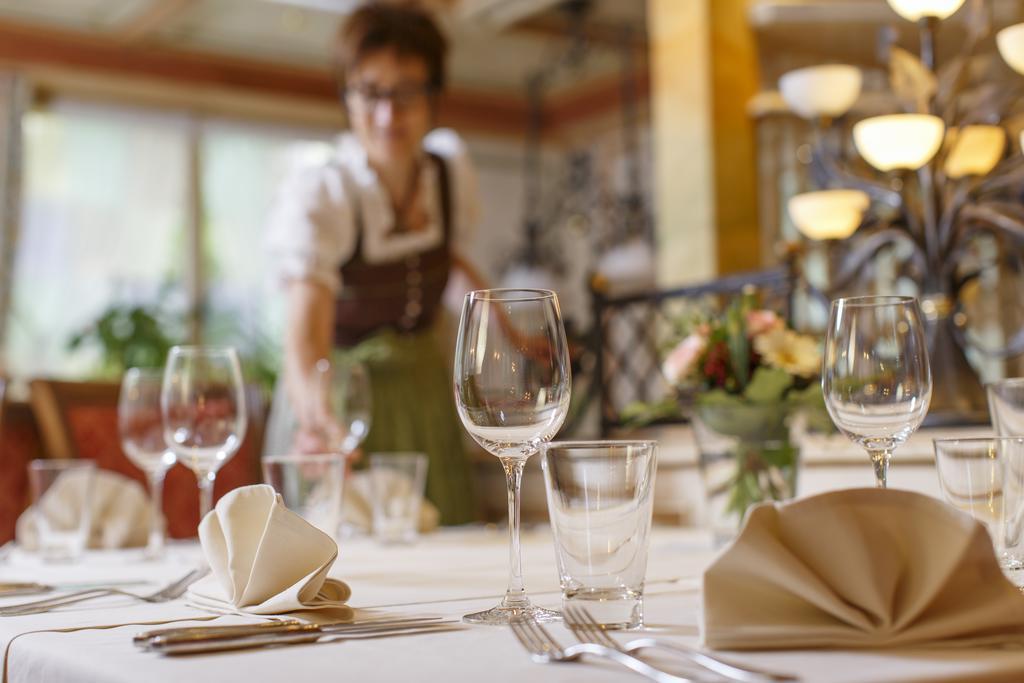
<point x="408" y="30"/>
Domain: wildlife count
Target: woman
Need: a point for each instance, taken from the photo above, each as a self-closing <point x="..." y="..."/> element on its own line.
<point x="365" y="245"/>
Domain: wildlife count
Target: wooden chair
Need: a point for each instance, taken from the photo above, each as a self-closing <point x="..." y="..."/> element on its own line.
<point x="79" y="420"/>
<point x="631" y="332"/>
<point x="19" y="443"/>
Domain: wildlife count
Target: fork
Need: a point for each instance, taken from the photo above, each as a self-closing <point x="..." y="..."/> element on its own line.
<point x="586" y="628"/>
<point x="543" y="648"/>
<point x="170" y="592"/>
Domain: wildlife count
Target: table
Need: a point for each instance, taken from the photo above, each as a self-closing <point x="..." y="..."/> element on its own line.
<point x="447" y="573"/>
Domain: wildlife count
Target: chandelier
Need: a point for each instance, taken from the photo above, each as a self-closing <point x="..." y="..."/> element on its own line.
<point x="930" y="191"/>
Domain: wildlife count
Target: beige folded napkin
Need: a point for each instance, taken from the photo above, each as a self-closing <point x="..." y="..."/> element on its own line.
<point x="119" y="506"/>
<point x="265" y="559"/>
<point x="856" y="569"/>
<point x="357" y="505"/>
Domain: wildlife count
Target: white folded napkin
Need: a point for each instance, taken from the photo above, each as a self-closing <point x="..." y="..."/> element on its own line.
<point x="119" y="505"/>
<point x="856" y="569"/>
<point x="265" y="559"/>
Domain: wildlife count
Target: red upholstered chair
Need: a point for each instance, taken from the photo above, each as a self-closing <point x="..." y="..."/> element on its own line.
<point x="79" y="420"/>
<point x="19" y="443"/>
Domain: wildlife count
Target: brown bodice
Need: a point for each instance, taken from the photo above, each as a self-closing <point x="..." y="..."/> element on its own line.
<point x="403" y="295"/>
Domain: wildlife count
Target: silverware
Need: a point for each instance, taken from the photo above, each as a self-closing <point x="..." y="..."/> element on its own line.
<point x="585" y="627"/>
<point x="170" y="592"/>
<point x="309" y="633"/>
<point x="183" y="634"/>
<point x="10" y="589"/>
<point x="543" y="648"/>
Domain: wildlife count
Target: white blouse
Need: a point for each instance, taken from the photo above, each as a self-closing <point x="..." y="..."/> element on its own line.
<point x="312" y="225"/>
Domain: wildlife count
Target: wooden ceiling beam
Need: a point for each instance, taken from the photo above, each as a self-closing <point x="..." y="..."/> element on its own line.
<point x="153" y="17"/>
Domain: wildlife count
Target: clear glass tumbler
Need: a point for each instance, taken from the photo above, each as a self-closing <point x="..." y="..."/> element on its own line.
<point x="985" y="478"/>
<point x="62" y="493"/>
<point x="397" y="481"/>
<point x="1006" y="406"/>
<point x="600" y="500"/>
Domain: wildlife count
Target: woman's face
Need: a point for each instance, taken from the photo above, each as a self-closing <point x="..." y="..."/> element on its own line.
<point x="389" y="105"/>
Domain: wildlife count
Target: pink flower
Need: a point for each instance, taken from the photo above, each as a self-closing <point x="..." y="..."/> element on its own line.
<point x="683" y="358"/>
<point x="761" y="321"/>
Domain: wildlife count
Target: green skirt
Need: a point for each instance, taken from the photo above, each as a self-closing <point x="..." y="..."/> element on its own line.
<point x="414" y="410"/>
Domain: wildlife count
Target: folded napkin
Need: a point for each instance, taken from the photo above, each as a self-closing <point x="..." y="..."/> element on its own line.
<point x="120" y="510"/>
<point x="265" y="559"/>
<point x="357" y="505"/>
<point x="857" y="569"/>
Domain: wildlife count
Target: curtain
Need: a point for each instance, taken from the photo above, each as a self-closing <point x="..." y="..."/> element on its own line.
<point x="13" y="97"/>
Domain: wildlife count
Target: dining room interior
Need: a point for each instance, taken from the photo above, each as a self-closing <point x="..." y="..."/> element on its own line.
<point x="700" y="273"/>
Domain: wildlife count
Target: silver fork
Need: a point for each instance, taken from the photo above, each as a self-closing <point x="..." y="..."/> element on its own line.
<point x="169" y="592"/>
<point x="585" y="627"/>
<point x="543" y="648"/>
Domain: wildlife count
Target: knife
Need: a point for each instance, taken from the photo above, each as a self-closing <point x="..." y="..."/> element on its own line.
<point x="13" y="588"/>
<point x="303" y="633"/>
<point x="171" y="636"/>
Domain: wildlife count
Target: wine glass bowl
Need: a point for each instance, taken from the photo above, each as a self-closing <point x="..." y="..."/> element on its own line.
<point x="140" y="425"/>
<point x="512" y="386"/>
<point x="875" y="376"/>
<point x="203" y="405"/>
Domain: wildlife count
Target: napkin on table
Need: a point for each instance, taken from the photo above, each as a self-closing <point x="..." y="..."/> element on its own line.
<point x="265" y="559"/>
<point x="859" y="568"/>
<point x="119" y="506"/>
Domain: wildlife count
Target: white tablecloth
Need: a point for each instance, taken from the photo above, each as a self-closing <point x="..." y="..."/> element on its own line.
<point x="448" y="573"/>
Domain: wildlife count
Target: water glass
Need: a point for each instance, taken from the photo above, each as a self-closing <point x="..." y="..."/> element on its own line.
<point x="310" y="486"/>
<point x="62" y="506"/>
<point x="985" y="477"/>
<point x="397" y="481"/>
<point x="600" y="500"/>
<point x="1006" y="406"/>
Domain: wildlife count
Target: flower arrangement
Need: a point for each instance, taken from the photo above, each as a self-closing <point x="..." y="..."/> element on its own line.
<point x="749" y="378"/>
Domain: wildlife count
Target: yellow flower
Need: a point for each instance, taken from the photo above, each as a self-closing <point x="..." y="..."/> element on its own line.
<point x="795" y="353"/>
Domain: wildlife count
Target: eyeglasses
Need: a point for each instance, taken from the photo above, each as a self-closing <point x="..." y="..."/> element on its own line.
<point x="402" y="96"/>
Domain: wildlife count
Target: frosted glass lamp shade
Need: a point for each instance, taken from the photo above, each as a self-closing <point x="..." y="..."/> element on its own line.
<point x="912" y="10"/>
<point x="974" y="150"/>
<point x="1011" y="46"/>
<point x="826" y="90"/>
<point x="828" y="214"/>
<point x="899" y="141"/>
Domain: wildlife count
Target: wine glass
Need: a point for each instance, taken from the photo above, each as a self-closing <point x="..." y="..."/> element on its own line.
<point x="203" y="407"/>
<point x="345" y="390"/>
<point x="140" y="425"/>
<point x="512" y="384"/>
<point x="875" y="376"/>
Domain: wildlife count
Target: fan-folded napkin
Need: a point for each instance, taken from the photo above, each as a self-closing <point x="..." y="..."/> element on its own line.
<point x="859" y="568"/>
<point x="265" y="559"/>
<point x="119" y="510"/>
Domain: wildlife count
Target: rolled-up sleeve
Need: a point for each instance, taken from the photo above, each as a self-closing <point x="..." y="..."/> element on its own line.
<point x="311" y="228"/>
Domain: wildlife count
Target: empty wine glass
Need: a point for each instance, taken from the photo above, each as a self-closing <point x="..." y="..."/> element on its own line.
<point x="345" y="390"/>
<point x="203" y="407"/>
<point x="512" y="384"/>
<point x="875" y="375"/>
<point x="141" y="427"/>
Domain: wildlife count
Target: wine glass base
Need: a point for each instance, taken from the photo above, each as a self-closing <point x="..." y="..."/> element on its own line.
<point x="502" y="616"/>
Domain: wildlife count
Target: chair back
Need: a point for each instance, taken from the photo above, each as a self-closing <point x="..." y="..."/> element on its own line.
<point x="632" y="333"/>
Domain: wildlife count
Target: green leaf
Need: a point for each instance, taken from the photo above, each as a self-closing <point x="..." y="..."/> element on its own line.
<point x="738" y="344"/>
<point x="768" y="385"/>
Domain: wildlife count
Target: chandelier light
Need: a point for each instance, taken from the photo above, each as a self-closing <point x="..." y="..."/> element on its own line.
<point x="828" y="214"/>
<point x="899" y="141"/>
<point x="828" y="90"/>
<point x="1011" y="46"/>
<point x="914" y="10"/>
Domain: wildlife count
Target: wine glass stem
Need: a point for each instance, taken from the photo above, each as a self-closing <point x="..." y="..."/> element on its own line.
<point x="515" y="596"/>
<point x="155" y="544"/>
<point x="880" y="459"/>
<point x="205" y="493"/>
